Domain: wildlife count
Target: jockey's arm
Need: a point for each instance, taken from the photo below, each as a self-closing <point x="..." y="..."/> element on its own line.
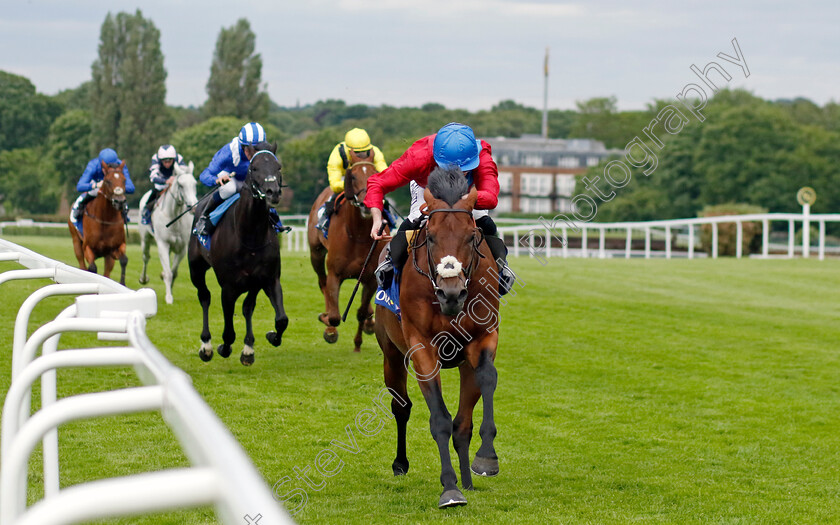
<point x="129" y="186"/>
<point x="335" y="171"/>
<point x="85" y="181"/>
<point x="486" y="182"/>
<point x="379" y="160"/>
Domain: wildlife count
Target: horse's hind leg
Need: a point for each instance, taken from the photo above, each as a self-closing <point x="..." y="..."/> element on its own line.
<point x="247" y="357"/>
<point x="228" y="334"/>
<point x="144" y="249"/>
<point x="395" y="380"/>
<point x="275" y="294"/>
<point x="462" y="426"/>
<point x="123" y="264"/>
<point x="364" y="315"/>
<point x="198" y="276"/>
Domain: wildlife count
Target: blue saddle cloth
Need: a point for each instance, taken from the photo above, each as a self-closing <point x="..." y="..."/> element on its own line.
<point x="216" y="215"/>
<point x="390" y="298"/>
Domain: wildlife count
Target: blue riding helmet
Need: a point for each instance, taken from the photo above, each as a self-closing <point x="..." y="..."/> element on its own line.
<point x="251" y="134"/>
<point x="456" y="144"/>
<point x="108" y="156"/>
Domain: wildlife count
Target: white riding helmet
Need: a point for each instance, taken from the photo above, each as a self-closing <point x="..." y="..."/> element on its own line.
<point x="167" y="151"/>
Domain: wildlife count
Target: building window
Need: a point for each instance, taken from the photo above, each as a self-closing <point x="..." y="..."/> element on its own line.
<point x="533" y="160"/>
<point x="592" y="161"/>
<point x="565" y="184"/>
<point x="505" y="182"/>
<point x="568" y="162"/>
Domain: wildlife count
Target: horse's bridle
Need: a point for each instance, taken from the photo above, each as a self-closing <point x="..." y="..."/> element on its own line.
<point x="355" y="202"/>
<point x="256" y="191"/>
<point x="468" y="269"/>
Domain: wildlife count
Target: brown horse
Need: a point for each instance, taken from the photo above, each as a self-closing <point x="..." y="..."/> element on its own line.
<point x="349" y="244"/>
<point x="103" y="225"/>
<point x="449" y="303"/>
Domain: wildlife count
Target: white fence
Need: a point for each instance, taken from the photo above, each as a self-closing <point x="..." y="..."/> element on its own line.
<point x="535" y="239"/>
<point x="220" y="473"/>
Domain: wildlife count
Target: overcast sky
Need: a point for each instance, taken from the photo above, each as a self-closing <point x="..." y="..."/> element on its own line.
<point x="461" y="53"/>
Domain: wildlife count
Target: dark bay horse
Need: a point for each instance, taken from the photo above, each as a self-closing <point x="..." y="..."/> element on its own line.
<point x="103" y="225"/>
<point x="449" y="302"/>
<point x="245" y="255"/>
<point x="348" y="244"/>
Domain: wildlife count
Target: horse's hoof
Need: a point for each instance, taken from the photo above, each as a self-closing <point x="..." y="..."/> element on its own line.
<point x="485" y="467"/>
<point x="368" y="326"/>
<point x="246" y="359"/>
<point x="169" y="299"/>
<point x="224" y="350"/>
<point x="357" y="349"/>
<point x="205" y="356"/>
<point x="399" y="469"/>
<point x="143" y="280"/>
<point x="451" y="498"/>
<point x="330" y="335"/>
<point x="274" y="338"/>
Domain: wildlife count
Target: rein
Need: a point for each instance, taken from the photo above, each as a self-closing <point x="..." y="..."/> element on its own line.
<point x="432" y="275"/>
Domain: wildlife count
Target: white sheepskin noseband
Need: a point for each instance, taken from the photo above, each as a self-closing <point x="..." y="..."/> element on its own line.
<point x="449" y="266"/>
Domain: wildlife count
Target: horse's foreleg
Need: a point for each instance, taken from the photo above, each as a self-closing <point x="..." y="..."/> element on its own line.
<point x="198" y="276"/>
<point x="90" y="258"/>
<point x="228" y="334"/>
<point x="395" y="380"/>
<point x="486" y="462"/>
<point x="426" y="366"/>
<point x="163" y="255"/>
<point x="247" y="357"/>
<point x="462" y="426"/>
<point x="364" y="315"/>
<point x="275" y="294"/>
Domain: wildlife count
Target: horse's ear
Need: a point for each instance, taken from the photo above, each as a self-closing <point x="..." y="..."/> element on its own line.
<point x="122" y="165"/>
<point x="191" y="168"/>
<point x="468" y="199"/>
<point x="431" y="201"/>
<point x="104" y="166"/>
<point x="273" y="148"/>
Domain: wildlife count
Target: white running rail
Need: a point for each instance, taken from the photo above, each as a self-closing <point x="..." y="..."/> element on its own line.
<point x="534" y="239"/>
<point x="221" y="473"/>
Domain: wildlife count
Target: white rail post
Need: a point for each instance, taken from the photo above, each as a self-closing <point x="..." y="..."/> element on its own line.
<point x="564" y="248"/>
<point x="629" y="243"/>
<point x="647" y="242"/>
<point x="667" y="241"/>
<point x="691" y="241"/>
<point x="822" y="239"/>
<point x="531" y="243"/>
<point x="714" y="240"/>
<point x="602" y="253"/>
<point x="739" y="239"/>
<point x="584" y="241"/>
<point x="765" y="238"/>
<point x="791" y="236"/>
<point x="516" y="243"/>
<point x="806" y="230"/>
<point x="547" y="243"/>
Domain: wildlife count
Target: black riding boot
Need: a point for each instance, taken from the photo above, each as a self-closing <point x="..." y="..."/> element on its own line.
<point x="395" y="255"/>
<point x="328" y="210"/>
<point x="80" y="210"/>
<point x="499" y="251"/>
<point x="203" y="226"/>
<point x="150" y="204"/>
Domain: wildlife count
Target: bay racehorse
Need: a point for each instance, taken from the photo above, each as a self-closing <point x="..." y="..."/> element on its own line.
<point x="348" y="244"/>
<point x="176" y="198"/>
<point x="449" y="304"/>
<point x="103" y="225"/>
<point x="245" y="256"/>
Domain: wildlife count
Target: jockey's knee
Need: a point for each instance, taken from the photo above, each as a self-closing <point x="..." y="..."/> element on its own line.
<point x="488" y="227"/>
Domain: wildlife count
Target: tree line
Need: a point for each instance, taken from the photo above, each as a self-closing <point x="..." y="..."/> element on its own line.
<point x="748" y="150"/>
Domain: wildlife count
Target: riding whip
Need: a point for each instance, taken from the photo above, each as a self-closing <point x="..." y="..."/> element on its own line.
<point x="359" y="280"/>
<point x="189" y="209"/>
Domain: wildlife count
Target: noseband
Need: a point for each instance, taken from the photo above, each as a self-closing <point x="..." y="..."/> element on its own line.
<point x="432" y="275"/>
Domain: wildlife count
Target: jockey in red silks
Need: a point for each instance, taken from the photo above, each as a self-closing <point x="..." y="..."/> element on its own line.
<point x="453" y="145"/>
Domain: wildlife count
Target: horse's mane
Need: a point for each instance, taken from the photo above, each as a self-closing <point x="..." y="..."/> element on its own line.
<point x="448" y="184"/>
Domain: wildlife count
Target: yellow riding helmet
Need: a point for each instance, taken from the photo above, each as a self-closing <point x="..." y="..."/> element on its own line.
<point x="357" y="139"/>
